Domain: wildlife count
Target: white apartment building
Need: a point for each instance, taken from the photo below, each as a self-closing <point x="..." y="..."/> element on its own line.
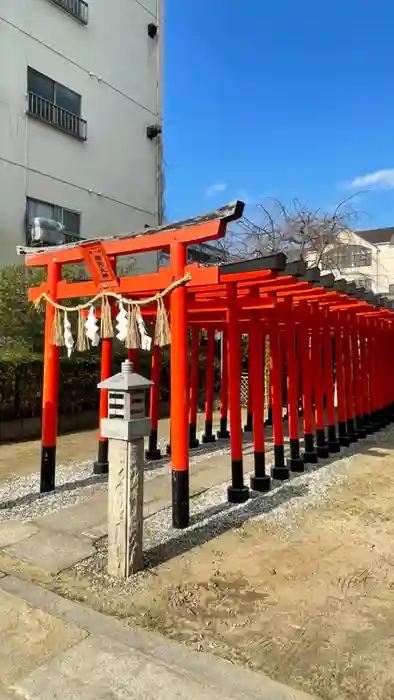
<point x="365" y="257"/>
<point x="80" y="120"/>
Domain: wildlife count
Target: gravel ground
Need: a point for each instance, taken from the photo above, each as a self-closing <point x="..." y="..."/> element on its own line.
<point x="212" y="516"/>
<point x="75" y="482"/>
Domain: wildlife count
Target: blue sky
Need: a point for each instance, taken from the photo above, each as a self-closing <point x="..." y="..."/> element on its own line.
<point x="287" y="98"/>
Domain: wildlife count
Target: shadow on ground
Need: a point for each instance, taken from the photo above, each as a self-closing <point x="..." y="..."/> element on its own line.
<point x="217" y="519"/>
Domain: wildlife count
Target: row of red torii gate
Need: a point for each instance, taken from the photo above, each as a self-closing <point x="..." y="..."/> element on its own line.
<point x="326" y="337"/>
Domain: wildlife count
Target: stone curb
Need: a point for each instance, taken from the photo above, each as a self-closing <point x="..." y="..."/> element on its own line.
<point x="203" y="668"/>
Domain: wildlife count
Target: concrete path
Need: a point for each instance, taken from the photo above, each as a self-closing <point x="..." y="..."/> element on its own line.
<point x="20" y="458"/>
<point x="60" y="539"/>
<point x="53" y="648"/>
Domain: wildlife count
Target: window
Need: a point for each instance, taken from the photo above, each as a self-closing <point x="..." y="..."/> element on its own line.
<point x="391" y="288"/>
<point x="77" y="8"/>
<point x="55" y="104"/>
<point x="49" y="224"/>
<point x="365" y="282"/>
<point x="347" y="257"/>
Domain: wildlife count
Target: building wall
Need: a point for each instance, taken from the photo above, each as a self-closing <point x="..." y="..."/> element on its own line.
<point x="381" y="270"/>
<point x="114" y="178"/>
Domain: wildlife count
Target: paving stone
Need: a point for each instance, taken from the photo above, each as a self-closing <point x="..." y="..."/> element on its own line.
<point x="97" y="531"/>
<point x="52" y="551"/>
<point x="77" y="518"/>
<point x="30" y="637"/>
<point x="101" y="669"/>
<point x="12" y="532"/>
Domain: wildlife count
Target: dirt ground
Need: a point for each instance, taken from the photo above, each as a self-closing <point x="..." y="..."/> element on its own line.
<point x="310" y="603"/>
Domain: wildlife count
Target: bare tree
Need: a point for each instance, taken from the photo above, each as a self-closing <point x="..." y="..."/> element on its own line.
<point x="313" y="235"/>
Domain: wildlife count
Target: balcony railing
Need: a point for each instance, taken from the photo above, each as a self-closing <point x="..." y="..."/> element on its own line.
<point x="60" y="118"/>
<point x="77" y="8"/>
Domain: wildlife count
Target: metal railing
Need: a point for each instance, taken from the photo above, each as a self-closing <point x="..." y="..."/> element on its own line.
<point x="77" y="8"/>
<point x="50" y="113"/>
<point x="72" y="237"/>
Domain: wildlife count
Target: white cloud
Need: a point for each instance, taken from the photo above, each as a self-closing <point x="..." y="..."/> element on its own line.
<point x="216" y="188"/>
<point x="379" y="180"/>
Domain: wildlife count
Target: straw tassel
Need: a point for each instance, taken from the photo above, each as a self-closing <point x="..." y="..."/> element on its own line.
<point x="106" y="329"/>
<point x="132" y="337"/>
<point x="39" y="305"/>
<point x="82" y="341"/>
<point x="162" y="329"/>
<point x="57" y="330"/>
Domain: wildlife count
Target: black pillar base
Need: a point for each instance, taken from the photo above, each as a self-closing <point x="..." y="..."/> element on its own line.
<point x="375" y="422"/>
<point x="351" y="431"/>
<point x="280" y="470"/>
<point x="237" y="495"/>
<point x="367" y="421"/>
<point x="260" y="481"/>
<point x="180" y="499"/>
<point x="48" y="469"/>
<point x="322" y="451"/>
<point x="262" y="484"/>
<point x="310" y="454"/>
<point x="237" y="492"/>
<point x="321" y="446"/>
<point x="310" y="457"/>
<point x="360" y="429"/>
<point x="208" y="436"/>
<point x="223" y="433"/>
<point x="100" y="466"/>
<point x="280" y="473"/>
<point x="343" y="441"/>
<point x="152" y="455"/>
<point x="295" y="464"/>
<point x="385" y="417"/>
<point x="193" y="440"/>
<point x="248" y="427"/>
<point x="333" y="444"/>
<point x="342" y="434"/>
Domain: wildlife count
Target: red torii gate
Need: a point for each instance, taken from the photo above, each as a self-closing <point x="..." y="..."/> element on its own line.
<point x="304" y="315"/>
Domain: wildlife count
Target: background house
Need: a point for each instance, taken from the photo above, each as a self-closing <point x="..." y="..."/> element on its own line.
<point x="365" y="257"/>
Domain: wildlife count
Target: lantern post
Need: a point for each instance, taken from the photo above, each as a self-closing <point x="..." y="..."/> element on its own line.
<point x="125" y="429"/>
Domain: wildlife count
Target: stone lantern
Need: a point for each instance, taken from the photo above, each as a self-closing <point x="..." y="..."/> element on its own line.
<point x="125" y="428"/>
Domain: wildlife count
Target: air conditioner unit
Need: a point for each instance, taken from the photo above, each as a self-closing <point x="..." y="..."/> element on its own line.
<point x="44" y="232"/>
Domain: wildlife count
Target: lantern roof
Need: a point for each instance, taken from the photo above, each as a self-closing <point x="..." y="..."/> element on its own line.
<point x="126" y="380"/>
